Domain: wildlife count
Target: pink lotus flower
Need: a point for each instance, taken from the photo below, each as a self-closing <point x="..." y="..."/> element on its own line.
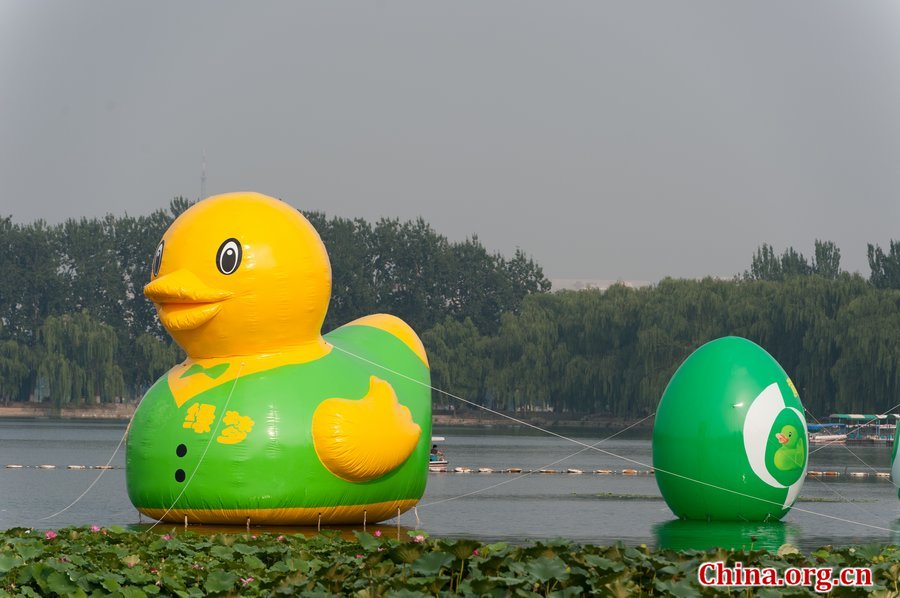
<point x="167" y="537"/>
<point x="419" y="538"/>
<point x="359" y="556"/>
<point x="246" y="580"/>
<point x="95" y="529"/>
<point x="50" y="535"/>
<point x="154" y="570"/>
<point x="280" y="538"/>
<point x="475" y="552"/>
<point x="378" y="533"/>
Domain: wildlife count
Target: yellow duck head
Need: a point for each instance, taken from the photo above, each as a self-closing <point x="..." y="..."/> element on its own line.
<point x="241" y="274"/>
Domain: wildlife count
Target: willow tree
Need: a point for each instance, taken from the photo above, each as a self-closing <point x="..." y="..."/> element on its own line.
<point x="16" y="366"/>
<point x="155" y="357"/>
<point x="459" y="363"/>
<point x="78" y="360"/>
<point x="523" y="359"/>
<point x="867" y="374"/>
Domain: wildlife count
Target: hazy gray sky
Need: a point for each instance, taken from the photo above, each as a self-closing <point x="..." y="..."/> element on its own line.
<point x="629" y="139"/>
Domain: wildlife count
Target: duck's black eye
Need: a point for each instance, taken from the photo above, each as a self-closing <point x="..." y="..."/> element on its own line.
<point x="157" y="258"/>
<point x="228" y="257"/>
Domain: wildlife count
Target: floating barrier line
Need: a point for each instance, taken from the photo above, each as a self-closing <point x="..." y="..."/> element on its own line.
<point x="68" y="467"/>
<point x="205" y="450"/>
<point x="832" y="442"/>
<point x="525" y="475"/>
<point x="509" y="417"/>
<point x="881" y="475"/>
<point x="605" y="452"/>
<point x="103" y="470"/>
<point x="858" y="458"/>
<point x="844" y="498"/>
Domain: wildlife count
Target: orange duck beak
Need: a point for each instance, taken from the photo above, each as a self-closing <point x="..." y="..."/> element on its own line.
<point x="183" y="301"/>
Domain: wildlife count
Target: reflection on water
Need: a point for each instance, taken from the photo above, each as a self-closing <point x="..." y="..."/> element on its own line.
<point x="735" y="535"/>
<point x="589" y="508"/>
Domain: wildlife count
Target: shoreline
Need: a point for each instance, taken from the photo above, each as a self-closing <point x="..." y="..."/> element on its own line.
<point x="542" y="420"/>
<point x="466" y="418"/>
<point x="115" y="412"/>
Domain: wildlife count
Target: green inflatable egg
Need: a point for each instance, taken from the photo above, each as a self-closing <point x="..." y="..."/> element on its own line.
<point x="729" y="442"/>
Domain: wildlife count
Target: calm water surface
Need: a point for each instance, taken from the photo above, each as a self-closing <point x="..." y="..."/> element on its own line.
<point x="584" y="508"/>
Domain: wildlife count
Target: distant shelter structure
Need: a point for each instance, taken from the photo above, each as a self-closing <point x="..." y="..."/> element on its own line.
<point x="865" y="427"/>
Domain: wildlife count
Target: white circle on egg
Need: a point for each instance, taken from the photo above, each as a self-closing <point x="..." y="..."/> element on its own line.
<point x="757" y="424"/>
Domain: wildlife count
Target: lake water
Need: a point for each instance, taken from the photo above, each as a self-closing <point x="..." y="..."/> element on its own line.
<point x="589" y="508"/>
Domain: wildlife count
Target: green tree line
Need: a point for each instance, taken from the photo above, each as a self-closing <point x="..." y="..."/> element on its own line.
<point x="613" y="352"/>
<point x="75" y="327"/>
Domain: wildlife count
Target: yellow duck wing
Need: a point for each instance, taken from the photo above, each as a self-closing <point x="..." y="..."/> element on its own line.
<point x="361" y="440"/>
<point x="397" y="327"/>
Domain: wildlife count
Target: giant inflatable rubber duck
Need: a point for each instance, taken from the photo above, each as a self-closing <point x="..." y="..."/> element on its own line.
<point x="267" y="420"/>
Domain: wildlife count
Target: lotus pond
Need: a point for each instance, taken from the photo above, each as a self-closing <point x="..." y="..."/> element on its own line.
<point x="99" y="562"/>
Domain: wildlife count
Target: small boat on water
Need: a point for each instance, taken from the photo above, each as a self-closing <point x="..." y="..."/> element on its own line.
<point x="436" y="461"/>
<point x="438" y="465"/>
<point x="855" y="428"/>
<point x="827" y="438"/>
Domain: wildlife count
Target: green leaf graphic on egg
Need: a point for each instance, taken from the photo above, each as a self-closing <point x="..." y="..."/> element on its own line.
<point x="729" y="442"/>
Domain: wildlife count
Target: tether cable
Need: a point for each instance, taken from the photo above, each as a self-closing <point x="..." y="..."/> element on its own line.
<point x="205" y="450"/>
<point x="97" y="479"/>
<point x="605" y="452"/>
<point x="525" y="475"/>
